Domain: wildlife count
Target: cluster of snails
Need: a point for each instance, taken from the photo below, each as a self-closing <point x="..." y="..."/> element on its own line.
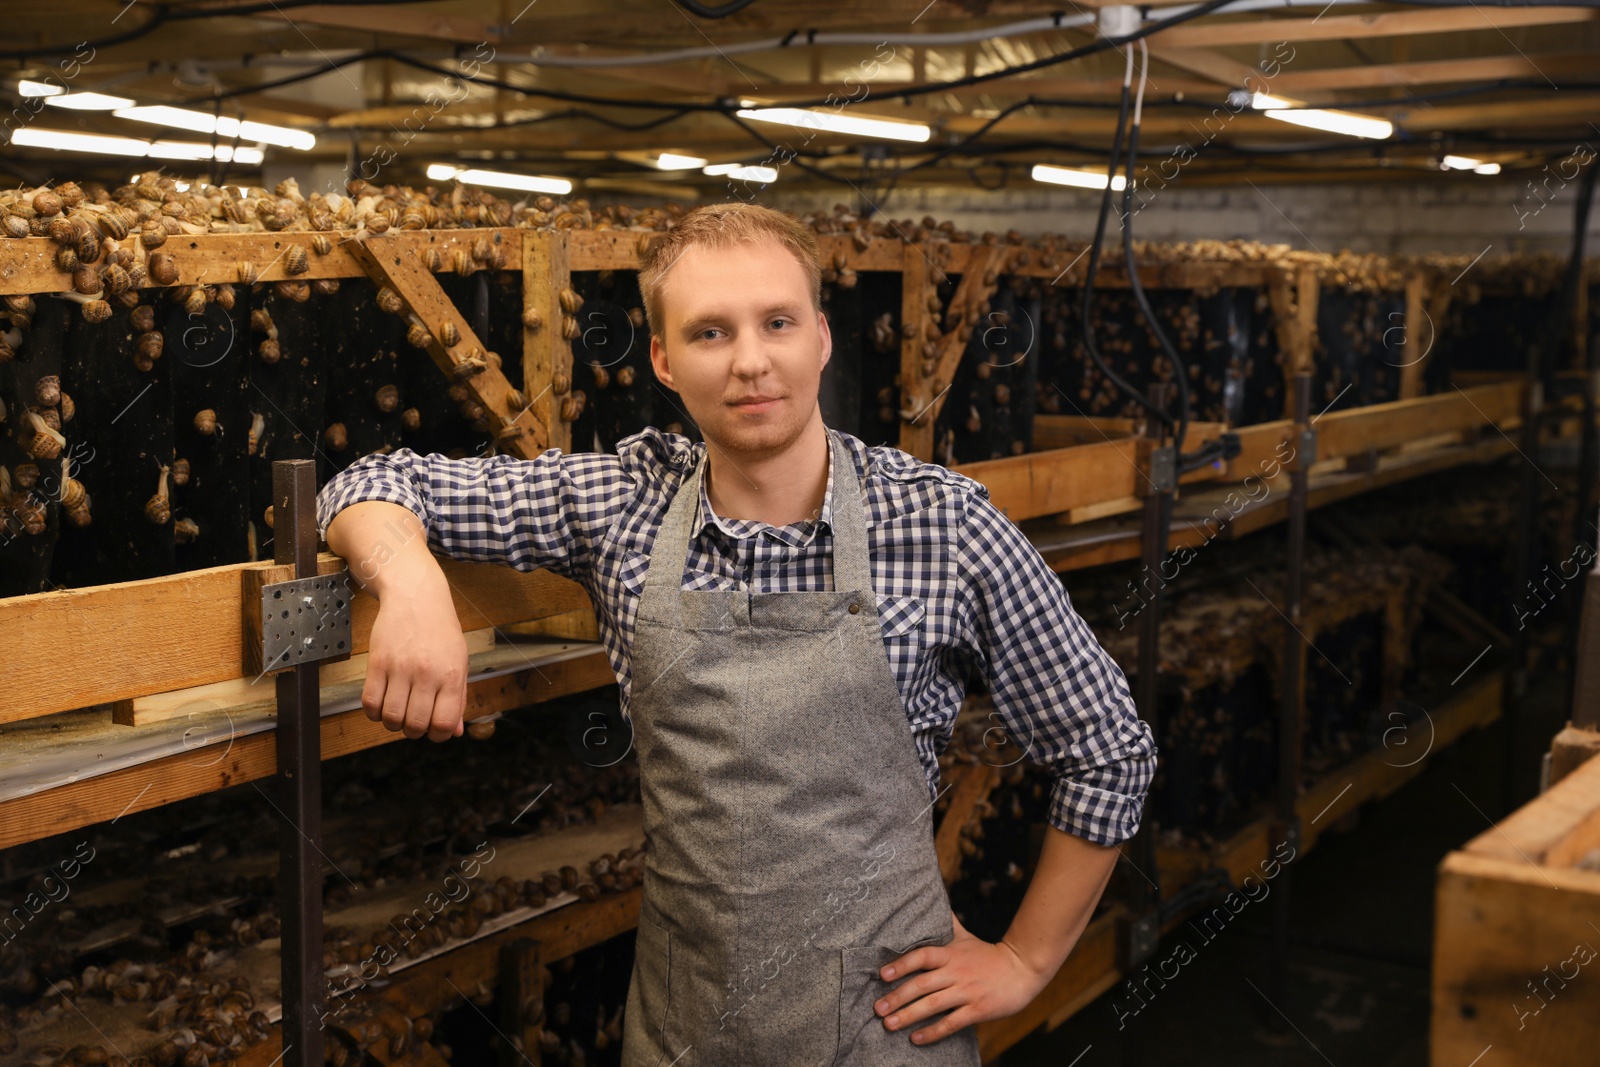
<point x="26" y="491"/>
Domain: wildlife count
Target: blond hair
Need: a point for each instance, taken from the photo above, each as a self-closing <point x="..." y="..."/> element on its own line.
<point x="723" y="226"/>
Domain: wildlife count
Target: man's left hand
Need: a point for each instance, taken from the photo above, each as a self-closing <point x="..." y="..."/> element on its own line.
<point x="970" y="978"/>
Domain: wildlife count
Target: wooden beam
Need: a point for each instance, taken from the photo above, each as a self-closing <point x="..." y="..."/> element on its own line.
<point x="917" y="328"/>
<point x="466" y="361"/>
<point x="395" y="21"/>
<point x="253" y="756"/>
<point x="967" y="307"/>
<point x="1045" y="483"/>
<point x="546" y="353"/>
<point x="1219" y="68"/>
<point x="1210" y="34"/>
<point x="204" y="640"/>
<point x="1380" y="426"/>
<point x="1295" y="82"/>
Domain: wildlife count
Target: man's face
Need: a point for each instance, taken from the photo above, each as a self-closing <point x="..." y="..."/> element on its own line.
<point x="742" y="345"/>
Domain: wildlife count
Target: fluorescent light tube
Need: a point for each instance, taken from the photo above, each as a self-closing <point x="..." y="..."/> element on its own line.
<point x="499" y="179"/>
<point x="674" y="161"/>
<point x="223" y="126"/>
<point x="80" y="142"/>
<point x="29" y="87"/>
<point x="1081" y="179"/>
<point x="765" y="175"/>
<point x="1285" y="110"/>
<point x="88" y="101"/>
<point x="1486" y="168"/>
<point x="834" y="122"/>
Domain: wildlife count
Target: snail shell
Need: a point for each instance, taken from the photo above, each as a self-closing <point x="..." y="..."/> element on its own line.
<point x="248" y="272"/>
<point x="195" y="302"/>
<point x="46" y="202"/>
<point x="87" y="281"/>
<point x="16" y="226"/>
<point x="96" y="311"/>
<point x="389" y="300"/>
<point x="224" y="296"/>
<point x="295" y="260"/>
<point x="531" y="319"/>
<point x="336" y="437"/>
<point x="625" y="377"/>
<point x="448" y="335"/>
<point x="153" y="235"/>
<point x="299" y="292"/>
<point x="157" y="510"/>
<point x="411" y="419"/>
<point x="387" y="398"/>
<point x="418" y="336"/>
<point x="68" y="408"/>
<point x="479" y="730"/>
<point x="602" y="377"/>
<point x="205" y="421"/>
<point x="143" y="318"/>
<point x="268" y="351"/>
<point x="320" y="244"/>
<point x="115" y="279"/>
<point x="560" y="383"/>
<point x="433" y="260"/>
<point x="180" y="472"/>
<point x="570" y="328"/>
<point x="163" y="269"/>
<point x="73" y="493"/>
<point x="150" y="344"/>
<point x="636" y="316"/>
<point x="184" y="531"/>
<point x="47" y="390"/>
<point x="67" y="259"/>
<point x="325" y="286"/>
<point x="571" y="301"/>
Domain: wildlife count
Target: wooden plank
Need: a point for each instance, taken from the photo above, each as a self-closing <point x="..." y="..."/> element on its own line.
<point x="1346" y="433"/>
<point x="1065" y="431"/>
<point x="967" y="307"/>
<point x="181" y="703"/>
<point x="1555" y="828"/>
<point x="1299" y="83"/>
<point x="916" y="321"/>
<point x="546" y="353"/>
<point x="1426" y="303"/>
<point x="1044" y="483"/>
<point x="1354" y="27"/>
<point x="203" y="639"/>
<point x="202" y="770"/>
<point x="403" y="271"/>
<point x="1509" y="938"/>
<point x="973" y="782"/>
<point x="1570" y="749"/>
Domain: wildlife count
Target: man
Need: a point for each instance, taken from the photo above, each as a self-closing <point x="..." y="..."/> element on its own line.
<point x="792" y="617"/>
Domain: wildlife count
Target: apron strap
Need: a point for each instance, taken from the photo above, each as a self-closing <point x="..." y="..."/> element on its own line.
<point x="852" y="570"/>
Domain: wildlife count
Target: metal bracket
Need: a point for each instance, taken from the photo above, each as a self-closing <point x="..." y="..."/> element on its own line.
<point x="1144" y="936"/>
<point x="1164" y="468"/>
<point x="305" y="620"/>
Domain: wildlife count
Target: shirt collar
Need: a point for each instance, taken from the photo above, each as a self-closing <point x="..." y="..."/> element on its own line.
<point x="798" y="533"/>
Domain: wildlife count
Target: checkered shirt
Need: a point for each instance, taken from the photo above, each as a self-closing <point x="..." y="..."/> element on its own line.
<point x="959" y="589"/>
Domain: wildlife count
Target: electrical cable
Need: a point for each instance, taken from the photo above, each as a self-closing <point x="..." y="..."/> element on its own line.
<point x="1085" y="324"/>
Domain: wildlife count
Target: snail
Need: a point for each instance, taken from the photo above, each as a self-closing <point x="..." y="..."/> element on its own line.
<point x="269" y="351"/>
<point x="570" y="301"/>
<point x="205" y="421"/>
<point x="158" y="509"/>
<point x="531" y="319"/>
<point x="335" y="437"/>
<point x="387" y="398"/>
<point x="47" y="390"/>
<point x="411" y="419"/>
<point x="570" y="328"/>
<point x="143" y="318"/>
<point x="448" y="335"/>
<point x="180" y="472"/>
<point x="389" y="300"/>
<point x="257" y="424"/>
<point x="194" y="302"/>
<point x="295" y="260"/>
<point x="418" y="336"/>
<point x="184" y="531"/>
<point x="320" y="244"/>
<point x="46" y="443"/>
<point x="248" y="272"/>
<point x="150" y="344"/>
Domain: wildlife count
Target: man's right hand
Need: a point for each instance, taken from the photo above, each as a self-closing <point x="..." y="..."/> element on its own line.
<point x="417" y="655"/>
<point x="417" y="666"/>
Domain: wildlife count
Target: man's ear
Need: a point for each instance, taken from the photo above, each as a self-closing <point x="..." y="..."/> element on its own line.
<point x="827" y="337"/>
<point x="658" y="360"/>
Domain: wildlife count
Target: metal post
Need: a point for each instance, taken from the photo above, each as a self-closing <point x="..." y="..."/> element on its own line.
<point x="1522" y="567"/>
<point x="1153" y="542"/>
<point x="299" y="750"/>
<point x="1286" y="821"/>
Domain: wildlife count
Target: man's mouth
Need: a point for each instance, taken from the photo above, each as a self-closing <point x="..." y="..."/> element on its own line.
<point x="754" y="403"/>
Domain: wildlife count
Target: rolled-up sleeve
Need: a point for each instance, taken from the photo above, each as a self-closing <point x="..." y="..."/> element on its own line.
<point x="1062" y="698"/>
<point x="549" y="511"/>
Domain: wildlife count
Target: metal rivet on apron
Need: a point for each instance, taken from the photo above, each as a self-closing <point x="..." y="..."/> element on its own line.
<point x="855" y="609"/>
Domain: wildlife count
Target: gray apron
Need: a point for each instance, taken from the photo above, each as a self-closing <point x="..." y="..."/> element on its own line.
<point x="789" y="826"/>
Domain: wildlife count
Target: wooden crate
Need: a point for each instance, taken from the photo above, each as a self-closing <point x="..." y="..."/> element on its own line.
<point x="1517" y="936"/>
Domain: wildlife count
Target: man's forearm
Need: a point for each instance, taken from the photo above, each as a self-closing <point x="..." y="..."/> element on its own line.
<point x="385" y="546"/>
<point x="1071" y="875"/>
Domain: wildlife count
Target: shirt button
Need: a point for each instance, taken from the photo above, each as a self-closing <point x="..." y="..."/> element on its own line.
<point x="855" y="609"/>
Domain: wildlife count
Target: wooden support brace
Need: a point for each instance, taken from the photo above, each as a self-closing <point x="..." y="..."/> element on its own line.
<point x="1426" y="303"/>
<point x="520" y="997"/>
<point x="967" y="308"/>
<point x="1293" y="295"/>
<point x="395" y="264"/>
<point x="916" y="424"/>
<point x="546" y="352"/>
